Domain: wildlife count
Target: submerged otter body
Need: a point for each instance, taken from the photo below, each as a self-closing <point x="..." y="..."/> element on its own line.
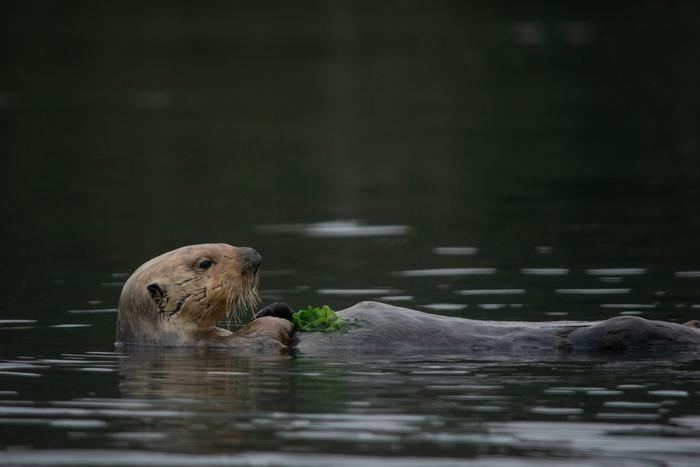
<point x="385" y="328"/>
<point x="176" y="300"/>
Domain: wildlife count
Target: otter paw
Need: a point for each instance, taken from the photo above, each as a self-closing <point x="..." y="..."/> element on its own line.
<point x="280" y="330"/>
<point x="277" y="310"/>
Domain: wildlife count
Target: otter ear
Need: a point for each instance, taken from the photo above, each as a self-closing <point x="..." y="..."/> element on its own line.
<point x="156" y="291"/>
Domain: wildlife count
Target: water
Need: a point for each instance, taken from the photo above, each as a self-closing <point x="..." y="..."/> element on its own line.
<point x="512" y="161"/>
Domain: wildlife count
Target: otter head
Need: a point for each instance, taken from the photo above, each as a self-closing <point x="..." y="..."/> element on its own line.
<point x="172" y="297"/>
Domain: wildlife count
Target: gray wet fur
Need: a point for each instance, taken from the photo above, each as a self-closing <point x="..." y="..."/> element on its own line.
<point x="382" y="328"/>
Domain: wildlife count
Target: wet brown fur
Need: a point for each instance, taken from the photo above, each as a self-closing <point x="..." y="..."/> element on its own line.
<point x="190" y="301"/>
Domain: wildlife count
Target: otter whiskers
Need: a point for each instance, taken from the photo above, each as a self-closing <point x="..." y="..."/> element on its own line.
<point x="239" y="300"/>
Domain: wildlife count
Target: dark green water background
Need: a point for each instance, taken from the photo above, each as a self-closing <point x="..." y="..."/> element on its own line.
<point x="554" y="144"/>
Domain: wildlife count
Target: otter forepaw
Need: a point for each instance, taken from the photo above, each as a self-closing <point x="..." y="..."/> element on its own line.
<point x="276" y="310"/>
<point x="280" y="330"/>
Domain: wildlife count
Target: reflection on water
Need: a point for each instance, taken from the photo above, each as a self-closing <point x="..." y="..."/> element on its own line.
<point x="336" y="229"/>
<point x="505" y="160"/>
<point x="434" y="410"/>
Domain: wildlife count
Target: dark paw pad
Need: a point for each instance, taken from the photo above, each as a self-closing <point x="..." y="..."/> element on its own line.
<point x="278" y="310"/>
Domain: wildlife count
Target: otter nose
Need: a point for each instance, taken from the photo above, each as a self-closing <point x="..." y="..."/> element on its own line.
<point x="250" y="260"/>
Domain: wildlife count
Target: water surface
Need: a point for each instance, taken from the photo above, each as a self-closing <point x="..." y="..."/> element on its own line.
<point x="504" y="161"/>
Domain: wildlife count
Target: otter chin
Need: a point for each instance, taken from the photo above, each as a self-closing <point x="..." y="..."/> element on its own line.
<point x="177" y="299"/>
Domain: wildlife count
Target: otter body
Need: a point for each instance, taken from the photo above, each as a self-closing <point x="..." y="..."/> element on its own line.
<point x="177" y="298"/>
<point x="385" y="328"/>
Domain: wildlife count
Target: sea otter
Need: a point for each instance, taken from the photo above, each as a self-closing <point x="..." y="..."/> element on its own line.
<point x="177" y="299"/>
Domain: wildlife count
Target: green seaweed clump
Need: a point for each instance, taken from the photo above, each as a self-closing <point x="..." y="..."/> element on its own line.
<point x="314" y="319"/>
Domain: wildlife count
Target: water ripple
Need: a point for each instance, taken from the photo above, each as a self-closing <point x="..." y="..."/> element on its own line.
<point x="544" y="271"/>
<point x="491" y="292"/>
<point x="116" y="457"/>
<point x="593" y="291"/>
<point x="339" y="228"/>
<point x="455" y="251"/>
<point x="616" y="271"/>
<point x="438" y="272"/>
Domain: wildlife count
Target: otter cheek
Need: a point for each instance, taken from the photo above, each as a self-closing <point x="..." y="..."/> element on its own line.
<point x="195" y="307"/>
<point x="188" y="312"/>
<point x="174" y="305"/>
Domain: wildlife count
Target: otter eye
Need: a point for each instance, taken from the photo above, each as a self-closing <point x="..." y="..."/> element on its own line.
<point x="205" y="264"/>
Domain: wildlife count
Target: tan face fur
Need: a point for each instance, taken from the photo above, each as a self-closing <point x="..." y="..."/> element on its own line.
<point x="175" y="297"/>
